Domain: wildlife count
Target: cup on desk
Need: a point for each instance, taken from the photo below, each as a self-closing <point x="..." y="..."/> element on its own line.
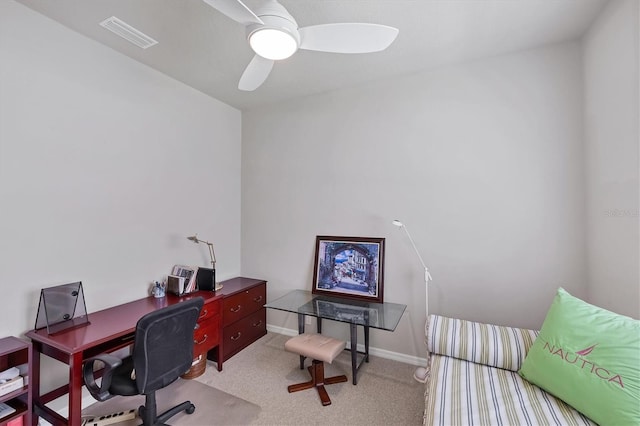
<point x="158" y="290"/>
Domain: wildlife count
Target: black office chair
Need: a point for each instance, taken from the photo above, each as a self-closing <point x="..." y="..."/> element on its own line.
<point x="162" y="352"/>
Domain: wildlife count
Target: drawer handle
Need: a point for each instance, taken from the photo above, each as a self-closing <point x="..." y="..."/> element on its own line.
<point x="237" y="336"/>
<point x="236" y="309"/>
<point x="257" y="299"/>
<point x="257" y="324"/>
<point x="202" y="341"/>
<point x="204" y="313"/>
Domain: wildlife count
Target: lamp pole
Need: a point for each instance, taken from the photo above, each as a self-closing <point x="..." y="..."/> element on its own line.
<point x="421" y="372"/>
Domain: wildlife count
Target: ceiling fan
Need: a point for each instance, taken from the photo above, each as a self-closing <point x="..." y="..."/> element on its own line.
<point x="273" y="34"/>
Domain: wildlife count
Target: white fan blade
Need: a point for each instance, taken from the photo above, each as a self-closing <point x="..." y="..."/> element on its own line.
<point x="235" y="10"/>
<point x="255" y="74"/>
<point x="347" y="38"/>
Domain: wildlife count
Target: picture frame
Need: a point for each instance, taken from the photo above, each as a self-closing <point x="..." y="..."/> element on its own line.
<point x="351" y="267"/>
<point x="62" y="307"/>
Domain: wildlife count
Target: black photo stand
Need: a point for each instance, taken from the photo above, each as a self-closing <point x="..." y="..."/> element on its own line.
<point x="61" y="307"/>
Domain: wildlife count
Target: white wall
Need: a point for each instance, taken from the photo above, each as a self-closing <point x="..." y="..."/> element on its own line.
<point x="483" y="162"/>
<point x="105" y="167"/>
<point x="612" y="136"/>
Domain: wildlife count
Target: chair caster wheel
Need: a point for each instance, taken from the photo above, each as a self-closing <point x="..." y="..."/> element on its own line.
<point x="190" y="409"/>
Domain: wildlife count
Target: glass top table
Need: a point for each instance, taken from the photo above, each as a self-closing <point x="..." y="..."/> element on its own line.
<point x="383" y="316"/>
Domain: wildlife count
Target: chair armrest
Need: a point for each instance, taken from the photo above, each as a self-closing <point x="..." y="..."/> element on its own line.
<point x="110" y="362"/>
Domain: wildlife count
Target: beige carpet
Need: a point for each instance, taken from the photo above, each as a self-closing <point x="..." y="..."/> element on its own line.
<point x="252" y="390"/>
<point x="386" y="393"/>
<point x="213" y="407"/>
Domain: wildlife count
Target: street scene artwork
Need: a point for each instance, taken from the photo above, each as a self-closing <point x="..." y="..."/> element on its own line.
<point x="349" y="267"/>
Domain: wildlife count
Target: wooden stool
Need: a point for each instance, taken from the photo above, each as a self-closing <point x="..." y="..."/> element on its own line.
<point x="320" y="349"/>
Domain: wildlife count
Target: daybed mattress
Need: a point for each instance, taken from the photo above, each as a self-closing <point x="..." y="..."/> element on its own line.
<point x="465" y="393"/>
<point x="473" y="378"/>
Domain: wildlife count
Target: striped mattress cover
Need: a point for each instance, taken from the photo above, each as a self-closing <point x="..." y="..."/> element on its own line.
<point x="473" y="378"/>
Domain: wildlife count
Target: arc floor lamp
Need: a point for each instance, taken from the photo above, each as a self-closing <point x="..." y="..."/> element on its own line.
<point x="421" y="372"/>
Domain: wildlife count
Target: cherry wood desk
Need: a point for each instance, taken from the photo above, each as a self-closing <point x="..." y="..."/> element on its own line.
<point x="109" y="330"/>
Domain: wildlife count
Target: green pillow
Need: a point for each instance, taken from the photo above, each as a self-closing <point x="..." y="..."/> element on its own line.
<point x="590" y="358"/>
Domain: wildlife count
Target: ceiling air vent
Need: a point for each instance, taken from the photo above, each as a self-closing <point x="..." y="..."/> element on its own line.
<point x="128" y="33"/>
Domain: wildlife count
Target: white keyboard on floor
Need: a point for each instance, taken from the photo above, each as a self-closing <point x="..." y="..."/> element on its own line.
<point x="109" y="419"/>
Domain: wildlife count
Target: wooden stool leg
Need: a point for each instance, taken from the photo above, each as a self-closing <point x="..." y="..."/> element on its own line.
<point x="316" y="370"/>
<point x="324" y="396"/>
<point x="335" y="379"/>
<point x="304" y="385"/>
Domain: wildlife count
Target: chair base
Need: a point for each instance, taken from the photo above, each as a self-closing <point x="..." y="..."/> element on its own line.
<point x="316" y="369"/>
<point x="147" y="412"/>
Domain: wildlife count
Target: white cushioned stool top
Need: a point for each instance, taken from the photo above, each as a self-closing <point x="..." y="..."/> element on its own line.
<point x="315" y="346"/>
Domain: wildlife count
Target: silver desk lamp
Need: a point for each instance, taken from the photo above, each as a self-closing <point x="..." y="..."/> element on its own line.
<point x="212" y="255"/>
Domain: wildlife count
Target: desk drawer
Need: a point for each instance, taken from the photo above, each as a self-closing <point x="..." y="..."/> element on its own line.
<point x="244" y="303"/>
<point x="244" y="332"/>
<point x="206" y="336"/>
<point x="209" y="310"/>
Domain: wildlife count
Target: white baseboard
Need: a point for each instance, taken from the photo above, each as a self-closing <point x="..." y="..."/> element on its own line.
<point x="382" y="353"/>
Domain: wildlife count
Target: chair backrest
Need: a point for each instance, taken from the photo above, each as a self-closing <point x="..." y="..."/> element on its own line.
<point x="163" y="345"/>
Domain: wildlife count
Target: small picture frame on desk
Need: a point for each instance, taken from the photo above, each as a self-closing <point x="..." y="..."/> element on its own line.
<point x="350" y="267"/>
<point x="61" y="307"/>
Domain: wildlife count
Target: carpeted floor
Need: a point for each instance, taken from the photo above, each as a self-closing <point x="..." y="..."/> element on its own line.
<point x="213" y="406"/>
<point x="252" y="389"/>
<point x="386" y="393"/>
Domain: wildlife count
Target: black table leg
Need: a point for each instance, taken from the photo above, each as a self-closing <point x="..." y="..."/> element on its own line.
<point x="366" y="343"/>
<point x="300" y="331"/>
<point x="354" y="353"/>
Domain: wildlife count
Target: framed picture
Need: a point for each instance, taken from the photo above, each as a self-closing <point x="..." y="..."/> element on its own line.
<point x="349" y="267"/>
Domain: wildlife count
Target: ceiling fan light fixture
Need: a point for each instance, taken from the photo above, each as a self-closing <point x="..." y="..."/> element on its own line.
<point x="274" y="34"/>
<point x="273" y="43"/>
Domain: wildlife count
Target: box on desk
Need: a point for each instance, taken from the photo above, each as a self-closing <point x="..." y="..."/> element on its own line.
<point x="11" y="385"/>
<point x="182" y="280"/>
